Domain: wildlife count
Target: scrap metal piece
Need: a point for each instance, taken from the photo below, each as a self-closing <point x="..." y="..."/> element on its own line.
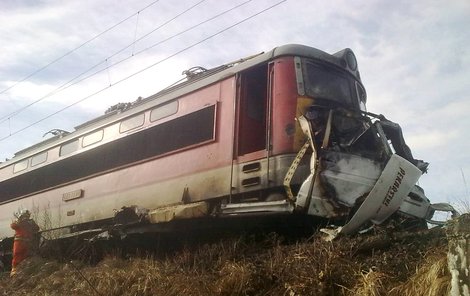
<point x="278" y="206"/>
<point x="293" y="167"/>
<point x="130" y="215"/>
<point x="177" y="212"/>
<point x="307" y="130"/>
<point x="394" y="133"/>
<point x="441" y="207"/>
<point x="383" y="138"/>
<point x="417" y="205"/>
<point x="331" y="233"/>
<point x="326" y="138"/>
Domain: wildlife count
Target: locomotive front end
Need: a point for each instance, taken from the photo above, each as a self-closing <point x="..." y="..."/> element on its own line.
<point x="361" y="170"/>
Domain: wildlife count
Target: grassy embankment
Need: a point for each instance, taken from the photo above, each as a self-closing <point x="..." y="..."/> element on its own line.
<point x="371" y="264"/>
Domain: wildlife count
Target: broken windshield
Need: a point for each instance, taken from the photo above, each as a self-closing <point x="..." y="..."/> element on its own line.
<point x="326" y="83"/>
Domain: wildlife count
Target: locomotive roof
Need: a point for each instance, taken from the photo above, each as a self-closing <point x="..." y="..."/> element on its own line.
<point x="197" y="81"/>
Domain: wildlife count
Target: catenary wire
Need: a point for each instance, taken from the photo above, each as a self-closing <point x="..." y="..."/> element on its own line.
<point x="133" y="43"/>
<point x="146" y="68"/>
<point x="156" y="44"/>
<point x="74" y="80"/>
<point x="75" y="49"/>
<point x="71" y="82"/>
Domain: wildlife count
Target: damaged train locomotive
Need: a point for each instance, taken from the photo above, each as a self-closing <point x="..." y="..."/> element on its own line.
<point x="282" y="132"/>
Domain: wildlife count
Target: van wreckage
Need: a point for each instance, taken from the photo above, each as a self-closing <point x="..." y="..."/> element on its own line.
<point x="362" y="155"/>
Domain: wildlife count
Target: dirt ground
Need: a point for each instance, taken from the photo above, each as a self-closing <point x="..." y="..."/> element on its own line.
<point x="383" y="262"/>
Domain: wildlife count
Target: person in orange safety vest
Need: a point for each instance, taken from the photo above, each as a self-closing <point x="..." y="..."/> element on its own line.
<point x="25" y="241"/>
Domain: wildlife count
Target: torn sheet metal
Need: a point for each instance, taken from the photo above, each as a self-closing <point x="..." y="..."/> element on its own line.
<point x="318" y="204"/>
<point x="441" y="207"/>
<point x="348" y="176"/>
<point x="177" y="212"/>
<point x="394" y="184"/>
<point x="416" y="204"/>
<point x="277" y="206"/>
<point x="130" y="215"/>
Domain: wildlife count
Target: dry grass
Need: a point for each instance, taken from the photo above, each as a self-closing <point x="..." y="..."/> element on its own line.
<point x="370" y="283"/>
<point x="252" y="266"/>
<point x="431" y="278"/>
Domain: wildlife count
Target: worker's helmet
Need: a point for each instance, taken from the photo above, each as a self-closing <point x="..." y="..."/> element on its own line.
<point x="23" y="214"/>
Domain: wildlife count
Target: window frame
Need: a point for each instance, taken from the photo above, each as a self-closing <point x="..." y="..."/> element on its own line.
<point x="92" y="134"/>
<point x="66" y="146"/>
<point x="130" y="119"/>
<point x="45" y="153"/>
<point x="17" y="164"/>
<point x="161" y="108"/>
<point x="351" y="99"/>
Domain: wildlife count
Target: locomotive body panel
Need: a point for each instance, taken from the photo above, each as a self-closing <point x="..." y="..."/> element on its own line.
<point x="202" y="165"/>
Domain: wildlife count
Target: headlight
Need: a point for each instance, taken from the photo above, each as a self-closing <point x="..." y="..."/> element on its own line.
<point x="351" y="60"/>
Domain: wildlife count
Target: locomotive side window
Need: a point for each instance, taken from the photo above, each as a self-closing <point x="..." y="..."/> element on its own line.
<point x="92" y="138"/>
<point x="252" y="110"/>
<point x="38" y="158"/>
<point x="187" y="131"/>
<point x="164" y="111"/>
<point x="361" y="95"/>
<point x="132" y="123"/>
<point x="20" y="166"/>
<point x="69" y="147"/>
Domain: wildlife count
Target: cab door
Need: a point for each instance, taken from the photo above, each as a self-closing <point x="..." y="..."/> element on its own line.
<point x="251" y="161"/>
<point x="252" y="110"/>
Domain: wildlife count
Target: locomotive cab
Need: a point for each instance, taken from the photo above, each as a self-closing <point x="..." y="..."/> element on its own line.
<point x="314" y="106"/>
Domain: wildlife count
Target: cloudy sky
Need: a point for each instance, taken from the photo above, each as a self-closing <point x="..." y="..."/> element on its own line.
<point x="59" y="58"/>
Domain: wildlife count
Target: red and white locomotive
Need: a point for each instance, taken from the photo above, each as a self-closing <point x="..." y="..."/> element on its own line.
<point x="282" y="132"/>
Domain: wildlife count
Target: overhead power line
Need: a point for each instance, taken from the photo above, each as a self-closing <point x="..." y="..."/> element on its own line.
<point x="71" y="82"/>
<point x="74" y="80"/>
<point x="75" y="49"/>
<point x="145" y="69"/>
